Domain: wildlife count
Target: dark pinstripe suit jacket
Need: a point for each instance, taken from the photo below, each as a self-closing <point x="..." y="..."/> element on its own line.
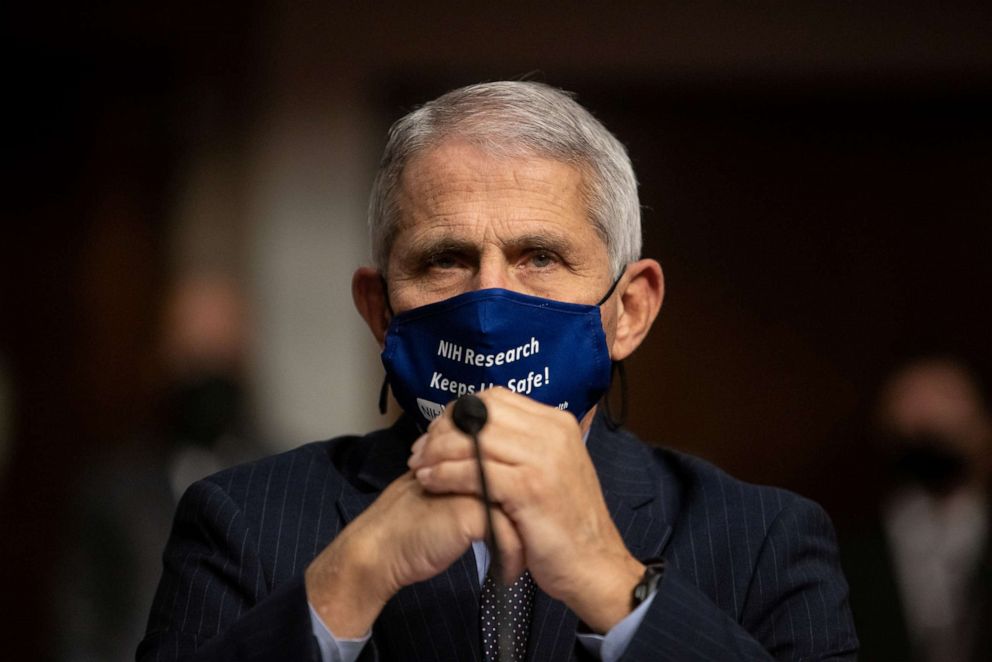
<point x="752" y="571"/>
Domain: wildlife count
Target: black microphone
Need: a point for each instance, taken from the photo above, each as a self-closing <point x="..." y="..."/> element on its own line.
<point x="469" y="414"/>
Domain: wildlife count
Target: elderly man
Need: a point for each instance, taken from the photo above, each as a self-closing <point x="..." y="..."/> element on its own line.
<point x="506" y="235"/>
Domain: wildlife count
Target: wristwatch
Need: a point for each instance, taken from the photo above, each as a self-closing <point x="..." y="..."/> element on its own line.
<point x="654" y="570"/>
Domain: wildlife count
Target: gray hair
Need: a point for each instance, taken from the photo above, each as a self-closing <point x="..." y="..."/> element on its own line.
<point x="512" y="119"/>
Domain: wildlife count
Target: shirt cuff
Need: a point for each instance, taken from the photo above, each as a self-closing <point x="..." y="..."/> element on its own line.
<point x="609" y="648"/>
<point x="334" y="649"/>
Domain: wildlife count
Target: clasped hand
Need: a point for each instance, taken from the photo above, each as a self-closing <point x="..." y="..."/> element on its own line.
<point x="542" y="481"/>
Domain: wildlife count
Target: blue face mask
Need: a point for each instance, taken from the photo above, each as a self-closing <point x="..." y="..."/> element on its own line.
<point x="551" y="351"/>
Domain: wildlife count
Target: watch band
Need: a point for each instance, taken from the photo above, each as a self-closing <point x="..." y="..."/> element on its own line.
<point x="654" y="570"/>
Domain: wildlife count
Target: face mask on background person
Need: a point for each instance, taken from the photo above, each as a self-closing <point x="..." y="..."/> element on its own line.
<point x="203" y="408"/>
<point x="928" y="461"/>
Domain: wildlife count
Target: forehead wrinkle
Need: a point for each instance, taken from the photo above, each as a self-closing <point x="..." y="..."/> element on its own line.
<point x="450" y="214"/>
<point x="429" y="176"/>
<point x="460" y="198"/>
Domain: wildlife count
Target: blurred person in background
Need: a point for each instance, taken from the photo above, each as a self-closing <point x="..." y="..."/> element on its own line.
<point x="125" y="503"/>
<point x="921" y="572"/>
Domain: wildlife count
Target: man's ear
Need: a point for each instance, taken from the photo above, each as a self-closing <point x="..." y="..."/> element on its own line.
<point x="368" y="289"/>
<point x="638" y="306"/>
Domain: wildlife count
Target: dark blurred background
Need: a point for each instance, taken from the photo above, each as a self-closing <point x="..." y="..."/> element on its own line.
<point x="816" y="179"/>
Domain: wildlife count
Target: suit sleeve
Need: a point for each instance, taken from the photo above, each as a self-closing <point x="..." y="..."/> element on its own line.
<point x="214" y="601"/>
<point x="795" y="607"/>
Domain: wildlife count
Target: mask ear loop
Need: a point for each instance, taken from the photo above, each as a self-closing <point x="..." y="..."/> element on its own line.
<point x="384" y="395"/>
<point x="612" y="422"/>
<point x="384" y="391"/>
<point x="613" y="287"/>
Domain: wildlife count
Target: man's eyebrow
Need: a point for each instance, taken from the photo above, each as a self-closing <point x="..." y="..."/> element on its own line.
<point x="542" y="241"/>
<point x="436" y="246"/>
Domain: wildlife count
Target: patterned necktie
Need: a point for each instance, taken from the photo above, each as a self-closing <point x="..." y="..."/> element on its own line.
<point x="505" y="611"/>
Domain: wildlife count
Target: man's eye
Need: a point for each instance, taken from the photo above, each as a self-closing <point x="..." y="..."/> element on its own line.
<point x="542" y="259"/>
<point x="442" y="261"/>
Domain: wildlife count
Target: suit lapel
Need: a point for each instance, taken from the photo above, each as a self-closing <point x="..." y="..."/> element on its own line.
<point x="644" y="521"/>
<point x="438" y="617"/>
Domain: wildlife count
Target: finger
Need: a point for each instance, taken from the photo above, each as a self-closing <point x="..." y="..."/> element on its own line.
<point x="511" y="547"/>
<point x="506" y="483"/>
<point x="435" y="447"/>
<point x="443" y="422"/>
<point x="451" y="477"/>
<point x="418" y="444"/>
<point x="497" y="443"/>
